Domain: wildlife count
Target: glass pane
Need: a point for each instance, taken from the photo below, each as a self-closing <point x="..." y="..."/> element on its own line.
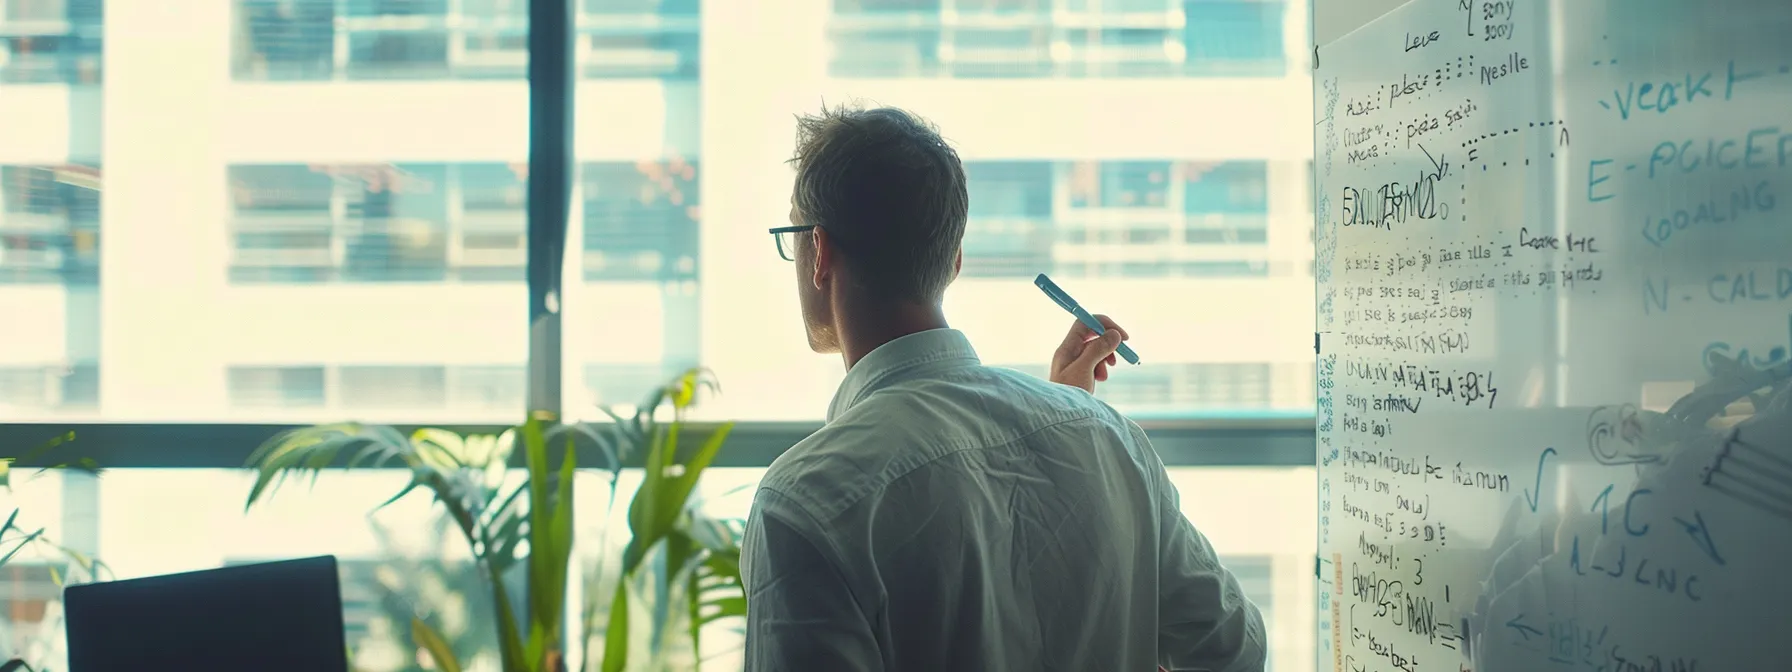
<point x="417" y="40"/>
<point x="632" y="279"/>
<point x="308" y="249"/>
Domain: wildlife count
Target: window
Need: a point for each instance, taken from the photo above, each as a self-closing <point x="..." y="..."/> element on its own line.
<point x="885" y="38"/>
<point x="1066" y="38"/>
<point x="420" y="40"/>
<point x="277" y="386"/>
<point x="1226" y="203"/>
<point x="284" y="224"/>
<point x="640" y="38"/>
<point x="1234" y="36"/>
<point x="285" y="39"/>
<point x="1124" y="184"/>
<point x="397" y="223"/>
<point x="314" y="250"/>
<point x="1010" y="231"/>
<point x="50" y="41"/>
<point x="493" y="212"/>
<point x="493" y="388"/>
<point x="49" y="224"/>
<point x="378" y="223"/>
<point x="345" y="235"/>
<point x="394" y="387"/>
<point x="641" y="220"/>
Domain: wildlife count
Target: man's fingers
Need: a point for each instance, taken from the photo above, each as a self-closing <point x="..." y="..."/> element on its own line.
<point x="1096" y="350"/>
<point x="1109" y="323"/>
<point x="1080" y="334"/>
<point x="1101" y="372"/>
<point x="1111" y="360"/>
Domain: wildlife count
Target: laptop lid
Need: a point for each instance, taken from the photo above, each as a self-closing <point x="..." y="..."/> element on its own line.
<point x="271" y="617"/>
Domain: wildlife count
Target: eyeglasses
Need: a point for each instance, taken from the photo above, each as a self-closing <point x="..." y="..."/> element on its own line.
<point x="786" y="239"/>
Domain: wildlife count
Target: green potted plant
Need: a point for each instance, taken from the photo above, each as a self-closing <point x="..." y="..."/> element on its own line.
<point x="678" y="566"/>
<point x="680" y="570"/>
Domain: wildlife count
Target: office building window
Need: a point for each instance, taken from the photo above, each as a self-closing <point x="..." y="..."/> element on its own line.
<point x="495" y="44"/>
<point x="49" y="224"/>
<point x="492" y="245"/>
<point x="277" y="387"/>
<point x="1225" y="269"/>
<point x="285" y="40"/>
<point x="1240" y="187"/>
<point x="283" y="224"/>
<point x="393" y="387"/>
<point x="398" y="54"/>
<point x="885" y="38"/>
<point x="1226" y="203"/>
<point x="495" y="388"/>
<point x="1063" y="38"/>
<point x="396" y="223"/>
<point x="378" y="223"/>
<point x="51" y="41"/>
<point x="1234" y="37"/>
<point x="1120" y="184"/>
<point x="641" y="220"/>
<point x="1010" y="232"/>
<point x="1226" y="385"/>
<point x="640" y="38"/>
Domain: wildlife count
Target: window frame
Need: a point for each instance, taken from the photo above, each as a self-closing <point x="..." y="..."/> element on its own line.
<point x="1215" y="442"/>
<point x="1268" y="440"/>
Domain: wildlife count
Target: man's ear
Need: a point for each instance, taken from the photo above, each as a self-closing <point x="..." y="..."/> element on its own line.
<point x="958" y="263"/>
<point x="824" y="256"/>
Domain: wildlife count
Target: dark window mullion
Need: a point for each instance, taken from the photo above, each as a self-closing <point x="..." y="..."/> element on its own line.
<point x="551" y="26"/>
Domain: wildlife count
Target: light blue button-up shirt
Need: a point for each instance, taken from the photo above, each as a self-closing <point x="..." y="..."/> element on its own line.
<point x="953" y="516"/>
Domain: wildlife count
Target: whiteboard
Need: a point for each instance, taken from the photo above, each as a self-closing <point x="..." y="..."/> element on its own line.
<point x="1555" y="311"/>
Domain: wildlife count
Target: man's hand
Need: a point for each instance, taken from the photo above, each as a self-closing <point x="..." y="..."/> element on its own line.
<point x="1083" y="358"/>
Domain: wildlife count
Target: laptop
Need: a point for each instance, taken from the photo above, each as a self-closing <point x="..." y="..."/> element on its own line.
<point x="269" y="617"/>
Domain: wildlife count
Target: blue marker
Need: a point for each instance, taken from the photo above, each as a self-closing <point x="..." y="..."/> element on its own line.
<point x="1083" y="316"/>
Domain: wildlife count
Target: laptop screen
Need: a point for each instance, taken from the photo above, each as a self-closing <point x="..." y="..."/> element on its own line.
<point x="271" y="617"/>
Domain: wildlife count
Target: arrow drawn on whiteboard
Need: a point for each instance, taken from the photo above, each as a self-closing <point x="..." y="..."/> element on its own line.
<point x="1529" y="497"/>
<point x="1442" y="166"/>
<point x="1701" y="535"/>
<point x="1523" y="629"/>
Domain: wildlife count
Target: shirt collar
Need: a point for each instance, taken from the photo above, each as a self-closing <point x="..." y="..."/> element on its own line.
<point x="900" y="359"/>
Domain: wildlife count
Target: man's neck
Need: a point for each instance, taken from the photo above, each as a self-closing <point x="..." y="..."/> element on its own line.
<point x="860" y="334"/>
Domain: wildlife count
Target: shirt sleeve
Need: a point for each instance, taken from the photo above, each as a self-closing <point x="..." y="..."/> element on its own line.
<point x="1204" y="620"/>
<point x="801" y="613"/>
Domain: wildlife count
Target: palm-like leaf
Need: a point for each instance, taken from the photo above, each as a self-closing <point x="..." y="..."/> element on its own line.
<point x="466" y="476"/>
<point x="697" y="565"/>
<point x="693" y="580"/>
